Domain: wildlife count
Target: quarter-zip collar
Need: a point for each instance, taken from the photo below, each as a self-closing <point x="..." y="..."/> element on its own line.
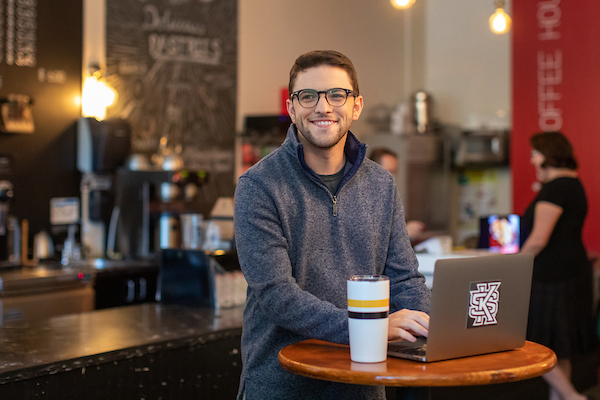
<point x="354" y="150"/>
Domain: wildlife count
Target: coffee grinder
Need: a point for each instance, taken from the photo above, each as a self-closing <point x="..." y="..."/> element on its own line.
<point x="102" y="147"/>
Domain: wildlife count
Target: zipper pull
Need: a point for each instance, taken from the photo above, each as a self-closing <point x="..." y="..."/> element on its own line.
<point x="335" y="206"/>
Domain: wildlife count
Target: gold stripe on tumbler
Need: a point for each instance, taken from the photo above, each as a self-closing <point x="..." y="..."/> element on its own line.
<point x="368" y="303"/>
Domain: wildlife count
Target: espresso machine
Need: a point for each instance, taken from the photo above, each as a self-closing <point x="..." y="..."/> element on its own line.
<point x="130" y="204"/>
<point x="148" y="204"/>
<point x="102" y="147"/>
<point x="10" y="237"/>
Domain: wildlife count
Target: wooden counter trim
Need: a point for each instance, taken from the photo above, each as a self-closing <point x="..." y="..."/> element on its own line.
<point x="329" y="361"/>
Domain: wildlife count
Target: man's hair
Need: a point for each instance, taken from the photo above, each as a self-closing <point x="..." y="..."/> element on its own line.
<point x="378" y="153"/>
<point x="323" y="57"/>
<point x="555" y="148"/>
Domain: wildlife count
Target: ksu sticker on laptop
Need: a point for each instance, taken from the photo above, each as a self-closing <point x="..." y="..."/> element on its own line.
<point x="483" y="304"/>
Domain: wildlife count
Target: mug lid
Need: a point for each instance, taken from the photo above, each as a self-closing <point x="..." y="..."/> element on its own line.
<point x="369" y="278"/>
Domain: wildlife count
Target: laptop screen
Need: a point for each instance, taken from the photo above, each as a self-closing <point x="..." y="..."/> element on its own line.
<point x="500" y="233"/>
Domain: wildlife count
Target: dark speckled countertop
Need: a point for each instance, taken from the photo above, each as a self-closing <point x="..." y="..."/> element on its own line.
<point x="68" y="342"/>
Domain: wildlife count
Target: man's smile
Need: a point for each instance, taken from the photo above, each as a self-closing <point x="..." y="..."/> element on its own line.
<point x="322" y="122"/>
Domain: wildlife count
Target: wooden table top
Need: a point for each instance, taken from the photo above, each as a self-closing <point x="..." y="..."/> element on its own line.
<point x="329" y="361"/>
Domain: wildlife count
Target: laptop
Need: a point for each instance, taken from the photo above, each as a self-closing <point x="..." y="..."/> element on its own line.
<point x="500" y="233"/>
<point x="479" y="305"/>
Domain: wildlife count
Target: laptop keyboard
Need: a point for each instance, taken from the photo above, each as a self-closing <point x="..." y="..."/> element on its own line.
<point x="416" y="351"/>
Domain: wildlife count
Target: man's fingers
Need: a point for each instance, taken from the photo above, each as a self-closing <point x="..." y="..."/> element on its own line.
<point x="410" y="327"/>
<point x="406" y="324"/>
<point x="399" y="333"/>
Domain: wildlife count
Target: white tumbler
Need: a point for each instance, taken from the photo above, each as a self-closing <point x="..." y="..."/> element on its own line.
<point x="368" y="309"/>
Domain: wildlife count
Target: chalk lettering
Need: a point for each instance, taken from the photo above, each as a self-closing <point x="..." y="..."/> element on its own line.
<point x="25" y="38"/>
<point x="153" y="21"/>
<point x="130" y="68"/>
<point x="177" y="48"/>
<point x="57" y="76"/>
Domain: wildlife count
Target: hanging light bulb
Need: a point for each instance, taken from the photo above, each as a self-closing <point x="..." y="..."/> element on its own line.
<point x="400" y="4"/>
<point x="500" y="21"/>
<point x="96" y="96"/>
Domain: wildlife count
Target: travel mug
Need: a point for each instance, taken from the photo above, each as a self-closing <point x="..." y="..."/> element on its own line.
<point x="368" y="309"/>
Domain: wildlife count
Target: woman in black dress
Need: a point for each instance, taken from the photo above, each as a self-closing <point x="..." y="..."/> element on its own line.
<point x="560" y="313"/>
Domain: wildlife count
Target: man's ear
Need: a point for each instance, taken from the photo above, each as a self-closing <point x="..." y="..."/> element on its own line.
<point x="358" y="107"/>
<point x="290" y="109"/>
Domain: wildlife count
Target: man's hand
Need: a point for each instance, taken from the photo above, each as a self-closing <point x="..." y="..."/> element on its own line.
<point x="405" y="324"/>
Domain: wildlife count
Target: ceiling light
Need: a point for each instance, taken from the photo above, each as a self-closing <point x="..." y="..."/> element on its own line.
<point x="400" y="4"/>
<point x="500" y="21"/>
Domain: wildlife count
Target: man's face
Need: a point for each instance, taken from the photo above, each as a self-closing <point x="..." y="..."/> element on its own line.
<point x="323" y="126"/>
<point x="390" y="163"/>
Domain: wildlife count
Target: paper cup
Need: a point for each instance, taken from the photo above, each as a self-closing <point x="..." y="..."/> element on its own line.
<point x="368" y="309"/>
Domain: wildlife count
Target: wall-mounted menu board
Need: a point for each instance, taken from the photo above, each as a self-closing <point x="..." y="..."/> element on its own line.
<point x="174" y="66"/>
<point x="40" y="58"/>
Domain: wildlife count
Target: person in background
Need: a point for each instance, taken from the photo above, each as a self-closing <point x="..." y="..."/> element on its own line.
<point x="389" y="160"/>
<point x="307" y="217"/>
<point x="560" y="312"/>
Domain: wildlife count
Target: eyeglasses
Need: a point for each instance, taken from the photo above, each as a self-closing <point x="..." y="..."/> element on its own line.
<point x="309" y="98"/>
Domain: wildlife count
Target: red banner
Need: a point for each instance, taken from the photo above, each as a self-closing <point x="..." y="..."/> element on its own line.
<point x="556" y="86"/>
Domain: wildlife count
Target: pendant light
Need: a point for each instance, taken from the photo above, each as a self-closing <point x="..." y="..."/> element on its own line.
<point x="400" y="4"/>
<point x="500" y="21"/>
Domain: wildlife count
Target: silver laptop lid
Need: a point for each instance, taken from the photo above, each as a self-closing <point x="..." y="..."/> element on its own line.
<point x="479" y="305"/>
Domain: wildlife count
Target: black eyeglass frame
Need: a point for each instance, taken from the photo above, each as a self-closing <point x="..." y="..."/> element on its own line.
<point x="325" y="92"/>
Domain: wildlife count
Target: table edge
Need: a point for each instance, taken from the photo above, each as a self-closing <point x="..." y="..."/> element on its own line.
<point x="476" y="379"/>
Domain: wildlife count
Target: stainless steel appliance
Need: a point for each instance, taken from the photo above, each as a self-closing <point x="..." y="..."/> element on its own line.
<point x="482" y="148"/>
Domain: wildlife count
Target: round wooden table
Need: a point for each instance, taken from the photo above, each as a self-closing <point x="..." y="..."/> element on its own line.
<point x="329" y="361"/>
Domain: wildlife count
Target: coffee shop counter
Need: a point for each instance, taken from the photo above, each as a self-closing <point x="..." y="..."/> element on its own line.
<point x="146" y="351"/>
<point x="48" y="289"/>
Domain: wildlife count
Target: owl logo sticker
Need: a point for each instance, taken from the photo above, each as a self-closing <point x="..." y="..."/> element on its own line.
<point x="484" y="298"/>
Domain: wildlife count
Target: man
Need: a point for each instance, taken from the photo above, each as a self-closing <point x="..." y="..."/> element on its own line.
<point x="307" y="217"/>
<point x="389" y="161"/>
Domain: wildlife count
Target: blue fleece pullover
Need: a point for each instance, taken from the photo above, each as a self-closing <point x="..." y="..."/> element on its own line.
<point x="298" y="244"/>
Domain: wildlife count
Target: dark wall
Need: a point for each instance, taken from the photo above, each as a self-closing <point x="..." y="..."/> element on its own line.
<point x="44" y="162"/>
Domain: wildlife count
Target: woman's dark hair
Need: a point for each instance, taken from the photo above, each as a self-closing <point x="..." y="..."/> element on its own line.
<point x="323" y="57"/>
<point x="556" y="149"/>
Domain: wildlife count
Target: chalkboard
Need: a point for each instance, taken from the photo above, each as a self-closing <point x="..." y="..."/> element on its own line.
<point x="174" y="66"/>
<point x="40" y="56"/>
